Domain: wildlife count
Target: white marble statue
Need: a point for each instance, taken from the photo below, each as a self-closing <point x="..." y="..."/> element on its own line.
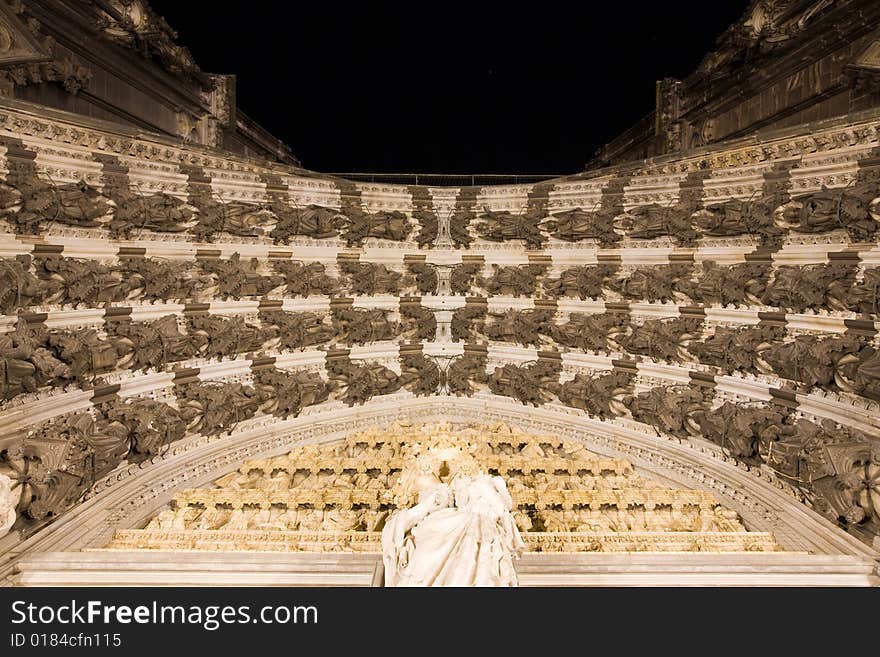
<point x="459" y="534"/>
<point x="8" y="502"/>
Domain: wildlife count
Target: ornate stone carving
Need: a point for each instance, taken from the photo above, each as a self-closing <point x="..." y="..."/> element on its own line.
<point x="811" y="286"/>
<point x="672" y="409"/>
<point x="8" y="503"/>
<point x="585" y="282"/>
<point x="516" y="280"/>
<point x="429" y="227"/>
<point x="290" y="391"/>
<point x="161" y="213"/>
<point x="458" y="228"/>
<point x="417" y="322"/>
<point x="143" y="345"/>
<point x="361" y="382"/>
<point x="426" y="277"/>
<point x="150" y="425"/>
<point x="311" y="221"/>
<point x="650" y="221"/>
<point x="29" y="201"/>
<point x="358" y="326"/>
<point x="529" y="384"/>
<point x="576" y="225"/>
<point x="504" y="226"/>
<point x="658" y="283"/>
<point x="661" y="339"/>
<point x="467" y="321"/>
<point x="737" y="217"/>
<point x="27" y="363"/>
<point x="304" y="280"/>
<point x="520" y="326"/>
<point x="296" y="330"/>
<point x="864" y="295"/>
<point x="738" y="429"/>
<point x="600" y="396"/>
<point x="241" y="219"/>
<point x="225" y="336"/>
<point x="462" y="371"/>
<point x="723" y="285"/>
<point x="590" y="332"/>
<point x="370" y="278"/>
<point x="735" y="349"/>
<point x="19" y="288"/>
<point x="831" y="209"/>
<point x="85" y="353"/>
<point x="163" y="280"/>
<point x="419" y="374"/>
<point x="213" y="408"/>
<point x="462" y="277"/>
<point x="393" y="226"/>
<point x="81" y="281"/>
<point x="237" y="278"/>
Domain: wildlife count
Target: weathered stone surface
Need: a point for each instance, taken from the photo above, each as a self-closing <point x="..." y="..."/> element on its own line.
<point x="584" y="282"/>
<point x="303" y="280"/>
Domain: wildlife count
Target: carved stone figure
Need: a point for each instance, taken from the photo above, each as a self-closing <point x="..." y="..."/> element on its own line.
<point x="311" y="221"/>
<point x="163" y="280"/>
<point x="859" y="372"/>
<point x="520" y="326"/>
<point x="359" y="326"/>
<point x="461" y="371"/>
<point x="661" y="339"/>
<point x="735" y="349"/>
<point x="467" y="321"/>
<point x="237" y="279"/>
<point x="811" y="286"/>
<point x="419" y="375"/>
<point x="650" y="221"/>
<point x="658" y="283"/>
<point x="723" y="285"/>
<point x="161" y="213"/>
<point x="213" y="408"/>
<point x="304" y="280"/>
<point x="601" y="396"/>
<point x="831" y="209"/>
<point x="142" y="345"/>
<point x="8" y="503"/>
<point x="28" y="201"/>
<point x="529" y="384"/>
<point x="864" y="295"/>
<point x="515" y="280"/>
<point x="291" y="391"/>
<point x="19" y="288"/>
<point x="226" y="336"/>
<point x="673" y="409"/>
<point x="576" y="225"/>
<point x="82" y="281"/>
<point x="417" y="322"/>
<point x="503" y="226"/>
<point x="393" y="226"/>
<point x="84" y="351"/>
<point x="369" y="278"/>
<point x="26" y="364"/>
<point x="590" y="332"/>
<point x="584" y="282"/>
<point x="362" y="381"/>
<point x="234" y="217"/>
<point x="462" y="277"/>
<point x="296" y="330"/>
<point x="425" y="276"/>
<point x="59" y="460"/>
<point x="151" y="425"/>
<point x="737" y="217"/>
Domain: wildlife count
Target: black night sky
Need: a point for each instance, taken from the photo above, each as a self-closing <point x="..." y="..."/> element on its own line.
<point x="442" y="88"/>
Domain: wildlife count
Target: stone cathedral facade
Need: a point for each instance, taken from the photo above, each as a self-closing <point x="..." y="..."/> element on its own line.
<point x="217" y="366"/>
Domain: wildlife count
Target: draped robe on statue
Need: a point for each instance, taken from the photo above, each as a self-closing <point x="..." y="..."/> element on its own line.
<point x="462" y="534"/>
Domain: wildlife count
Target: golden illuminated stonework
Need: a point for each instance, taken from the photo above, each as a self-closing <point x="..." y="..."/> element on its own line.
<point x="337" y="497"/>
